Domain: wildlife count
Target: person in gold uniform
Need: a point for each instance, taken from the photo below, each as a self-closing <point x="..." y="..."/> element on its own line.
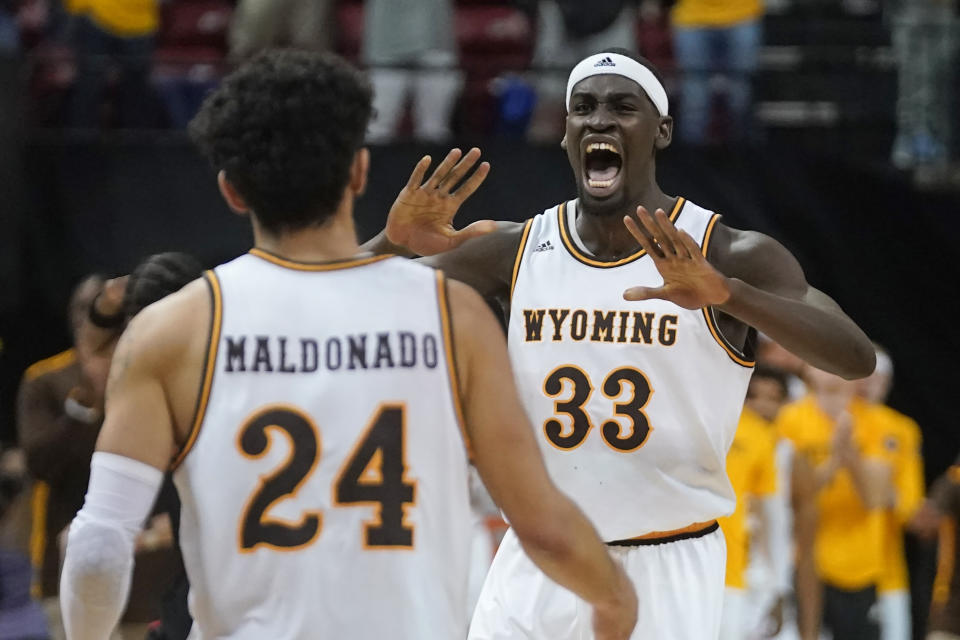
<point x="843" y="442"/>
<point x="751" y="466"/>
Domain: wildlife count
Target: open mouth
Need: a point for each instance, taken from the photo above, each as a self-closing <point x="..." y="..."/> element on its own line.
<point x="601" y="165"/>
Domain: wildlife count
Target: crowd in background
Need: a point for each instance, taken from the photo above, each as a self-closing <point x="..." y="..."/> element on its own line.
<point x="148" y="63"/>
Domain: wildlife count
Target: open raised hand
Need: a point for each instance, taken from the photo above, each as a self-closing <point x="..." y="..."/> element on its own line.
<point x="689" y="280"/>
<point x="421" y="218"/>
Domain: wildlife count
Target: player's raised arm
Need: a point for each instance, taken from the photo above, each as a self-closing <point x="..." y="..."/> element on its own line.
<point x="754" y="279"/>
<point x="421" y="224"/>
<point x="554" y="532"/>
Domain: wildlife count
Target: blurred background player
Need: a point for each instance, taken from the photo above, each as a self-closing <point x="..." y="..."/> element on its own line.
<point x="752" y="531"/>
<point x="853" y="490"/>
<point x="939" y="518"/>
<point x="58" y="419"/>
<point x="902" y="450"/>
<point x="409" y="463"/>
<point x="60" y="415"/>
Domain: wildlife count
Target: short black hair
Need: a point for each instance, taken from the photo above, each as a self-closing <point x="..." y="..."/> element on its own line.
<point x="637" y="57"/>
<point x="157" y="277"/>
<point x="773" y="373"/>
<point x="285" y="127"/>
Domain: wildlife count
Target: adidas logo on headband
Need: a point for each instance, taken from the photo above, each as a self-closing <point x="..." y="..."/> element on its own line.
<point x="617" y="64"/>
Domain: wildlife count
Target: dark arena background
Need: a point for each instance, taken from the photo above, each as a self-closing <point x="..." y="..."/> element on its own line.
<point x="817" y="170"/>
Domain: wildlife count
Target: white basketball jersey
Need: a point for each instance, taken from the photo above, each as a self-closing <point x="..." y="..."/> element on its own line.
<point x="325" y="492"/>
<point x="635" y="404"/>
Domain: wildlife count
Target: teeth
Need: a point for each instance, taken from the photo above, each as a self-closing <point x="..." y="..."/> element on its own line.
<point x="600" y="146"/>
<point x="599" y="183"/>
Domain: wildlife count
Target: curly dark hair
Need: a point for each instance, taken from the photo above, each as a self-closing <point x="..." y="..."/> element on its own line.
<point x="285" y="127"/>
<point x="157" y="277"/>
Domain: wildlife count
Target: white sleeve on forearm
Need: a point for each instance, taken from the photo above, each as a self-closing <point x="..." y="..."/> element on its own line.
<point x="99" y="555"/>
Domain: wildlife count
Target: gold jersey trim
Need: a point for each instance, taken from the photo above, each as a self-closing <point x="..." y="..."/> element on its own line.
<point x="593" y="262"/>
<point x="316" y="266"/>
<point x="708" y="314"/>
<point x="209" y="365"/>
<point x="447" y="328"/>
<point x="519" y="258"/>
<point x="946" y="554"/>
<point x="48" y="365"/>
<point x="39" y="501"/>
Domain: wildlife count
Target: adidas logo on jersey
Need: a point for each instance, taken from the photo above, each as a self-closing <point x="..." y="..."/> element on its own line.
<point x="605" y="62"/>
<point x="544" y="246"/>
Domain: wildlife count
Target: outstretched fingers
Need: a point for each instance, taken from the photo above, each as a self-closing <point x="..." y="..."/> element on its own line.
<point x="691" y="245"/>
<point x="419" y="171"/>
<point x="642" y="236"/>
<point x="443" y="169"/>
<point x="672" y="234"/>
<point x="652" y="226"/>
<point x="472" y="183"/>
<point x="456" y="174"/>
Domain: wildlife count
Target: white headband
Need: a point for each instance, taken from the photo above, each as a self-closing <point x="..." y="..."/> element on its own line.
<point x="616" y="64"/>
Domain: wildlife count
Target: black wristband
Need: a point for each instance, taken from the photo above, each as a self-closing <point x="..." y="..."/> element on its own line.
<point x="104" y="322"/>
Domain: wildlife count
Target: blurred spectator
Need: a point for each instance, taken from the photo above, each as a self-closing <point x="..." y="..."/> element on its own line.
<point x="410" y="46"/>
<point x="713" y="37"/>
<point x="902" y="449"/>
<point x="940" y="515"/>
<point x="844" y="446"/>
<point x="21" y="618"/>
<point x="58" y="418"/>
<point x="567" y="32"/>
<point x="261" y="24"/>
<point x="108" y="33"/>
<point x="60" y="410"/>
<point x="772" y="354"/>
<point x="751" y="465"/>
<point x="925" y="44"/>
<point x="9" y="29"/>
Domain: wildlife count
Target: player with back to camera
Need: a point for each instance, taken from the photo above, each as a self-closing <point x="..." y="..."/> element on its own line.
<point x="307" y="397"/>
<point x="632" y="316"/>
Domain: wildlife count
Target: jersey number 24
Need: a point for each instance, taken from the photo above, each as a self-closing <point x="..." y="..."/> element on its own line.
<point x="373" y="475"/>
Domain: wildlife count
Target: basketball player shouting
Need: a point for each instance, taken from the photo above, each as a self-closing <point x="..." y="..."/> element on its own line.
<point x="309" y="399"/>
<point x="631" y="322"/>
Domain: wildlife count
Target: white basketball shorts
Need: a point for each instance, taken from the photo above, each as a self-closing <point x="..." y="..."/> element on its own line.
<point x="679" y="588"/>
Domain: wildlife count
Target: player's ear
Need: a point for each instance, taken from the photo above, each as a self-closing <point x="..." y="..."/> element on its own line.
<point x="234" y="200"/>
<point x="664" y="133"/>
<point x="359" y="170"/>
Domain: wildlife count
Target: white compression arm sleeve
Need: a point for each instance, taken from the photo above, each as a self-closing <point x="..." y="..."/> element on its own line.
<point x="99" y="557"/>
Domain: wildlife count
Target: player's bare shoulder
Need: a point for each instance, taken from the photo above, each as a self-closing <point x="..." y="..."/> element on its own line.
<point x="168" y="341"/>
<point x="486" y="262"/>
